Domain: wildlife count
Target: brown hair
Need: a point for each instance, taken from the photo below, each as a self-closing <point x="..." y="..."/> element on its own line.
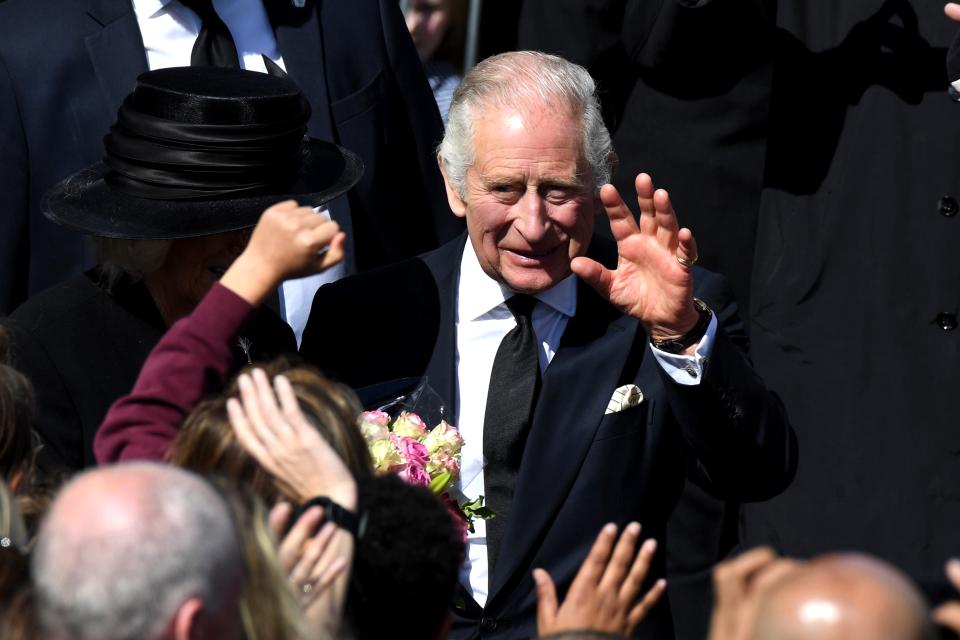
<point x="16" y="416"/>
<point x="206" y="442"/>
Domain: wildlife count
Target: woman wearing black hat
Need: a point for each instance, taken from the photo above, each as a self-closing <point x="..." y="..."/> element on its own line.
<point x="195" y="157"/>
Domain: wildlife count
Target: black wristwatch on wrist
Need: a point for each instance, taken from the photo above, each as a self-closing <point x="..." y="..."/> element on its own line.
<point x="337" y="514"/>
<point x="681" y="344"/>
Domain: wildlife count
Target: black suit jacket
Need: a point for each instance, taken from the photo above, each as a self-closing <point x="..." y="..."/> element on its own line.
<point x="581" y="468"/>
<point x="65" y="66"/>
<point x="82" y="349"/>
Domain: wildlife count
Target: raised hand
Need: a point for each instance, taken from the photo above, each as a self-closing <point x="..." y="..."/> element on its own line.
<point x="652" y="281"/>
<point x="284" y="442"/>
<point x="948" y="613"/>
<point x="289" y="241"/>
<point x="603" y="596"/>
<point x="738" y="584"/>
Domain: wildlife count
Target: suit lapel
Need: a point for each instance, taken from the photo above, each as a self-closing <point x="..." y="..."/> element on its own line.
<point x="444" y="264"/>
<point x="576" y="389"/>
<point x="115" y="49"/>
<point x="300" y="39"/>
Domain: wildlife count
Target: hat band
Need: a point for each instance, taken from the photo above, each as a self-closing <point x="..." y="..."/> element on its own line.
<point x="162" y="159"/>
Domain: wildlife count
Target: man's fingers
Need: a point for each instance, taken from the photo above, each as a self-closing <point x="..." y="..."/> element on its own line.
<point x="335" y="252"/>
<point x="642" y="608"/>
<point x="948" y="615"/>
<point x="638" y="572"/>
<point x="546" y="601"/>
<point x="279" y="517"/>
<point x="246" y="435"/>
<point x="619" y="564"/>
<point x="730" y="577"/>
<point x="687" y="246"/>
<point x="273" y="420"/>
<point x="292" y="544"/>
<point x="953" y="572"/>
<point x="593" y="567"/>
<point x="952" y="9"/>
<point x="666" y="219"/>
<point x="594" y="274"/>
<point x="289" y="404"/>
<point x="622" y="223"/>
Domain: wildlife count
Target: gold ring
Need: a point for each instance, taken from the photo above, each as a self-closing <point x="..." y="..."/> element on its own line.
<point x="687" y="262"/>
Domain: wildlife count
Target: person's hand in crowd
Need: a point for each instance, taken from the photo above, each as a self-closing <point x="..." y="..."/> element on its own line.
<point x="653" y="280"/>
<point x="603" y="595"/>
<point x="287" y="446"/>
<point x="948" y="614"/>
<point x="284" y="442"/>
<point x="289" y="241"/>
<point x="738" y="584"/>
<point x="311" y="563"/>
<point x="952" y="9"/>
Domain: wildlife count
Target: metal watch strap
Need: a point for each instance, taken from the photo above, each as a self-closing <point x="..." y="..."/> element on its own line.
<point x="679" y="345"/>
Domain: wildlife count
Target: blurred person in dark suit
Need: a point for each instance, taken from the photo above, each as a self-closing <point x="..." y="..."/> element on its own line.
<point x="65" y="67"/>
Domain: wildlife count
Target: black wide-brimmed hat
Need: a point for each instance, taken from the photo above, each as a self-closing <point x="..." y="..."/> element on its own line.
<point x="202" y="150"/>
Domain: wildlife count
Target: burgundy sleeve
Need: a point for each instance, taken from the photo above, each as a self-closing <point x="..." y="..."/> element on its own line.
<point x="190" y="361"/>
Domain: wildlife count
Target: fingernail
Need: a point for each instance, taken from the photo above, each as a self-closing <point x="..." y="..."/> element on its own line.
<point x="633" y="529"/>
<point x="650" y="545"/>
<point x="610" y="528"/>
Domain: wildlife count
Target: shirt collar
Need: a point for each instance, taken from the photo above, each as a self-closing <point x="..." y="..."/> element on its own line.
<point x="149" y="8"/>
<point x="486" y="294"/>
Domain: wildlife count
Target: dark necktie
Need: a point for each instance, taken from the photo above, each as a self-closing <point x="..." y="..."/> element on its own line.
<point x="514" y="384"/>
<point x="214" y="46"/>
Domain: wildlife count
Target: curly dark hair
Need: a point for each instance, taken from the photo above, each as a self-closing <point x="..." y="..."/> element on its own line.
<point x="405" y="564"/>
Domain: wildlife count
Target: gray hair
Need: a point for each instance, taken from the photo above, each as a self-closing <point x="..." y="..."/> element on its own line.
<point x="119" y="257"/>
<point x="97" y="580"/>
<point x="509" y="79"/>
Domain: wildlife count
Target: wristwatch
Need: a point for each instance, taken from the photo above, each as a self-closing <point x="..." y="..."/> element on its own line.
<point x="679" y="345"/>
<point x="337" y="514"/>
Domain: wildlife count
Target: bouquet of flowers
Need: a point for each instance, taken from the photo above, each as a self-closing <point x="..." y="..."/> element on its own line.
<point x="422" y="456"/>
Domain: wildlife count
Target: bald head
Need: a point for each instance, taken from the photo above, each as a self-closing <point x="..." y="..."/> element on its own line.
<point x="843" y="597"/>
<point x="124" y="547"/>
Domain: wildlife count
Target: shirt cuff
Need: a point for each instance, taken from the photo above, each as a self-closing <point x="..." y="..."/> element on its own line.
<point x="688" y="370"/>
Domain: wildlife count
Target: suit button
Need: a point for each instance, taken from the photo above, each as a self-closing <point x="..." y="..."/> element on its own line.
<point x="947" y="321"/>
<point x="488" y="624"/>
<point x="948" y="206"/>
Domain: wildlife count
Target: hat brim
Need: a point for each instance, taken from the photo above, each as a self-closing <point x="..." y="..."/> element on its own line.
<point x="85" y="202"/>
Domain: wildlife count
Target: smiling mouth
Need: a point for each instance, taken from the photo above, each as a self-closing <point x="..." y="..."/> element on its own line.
<point x="532" y="255"/>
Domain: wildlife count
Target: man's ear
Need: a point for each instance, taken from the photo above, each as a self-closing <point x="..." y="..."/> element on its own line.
<point x="186" y="621"/>
<point x="457" y="205"/>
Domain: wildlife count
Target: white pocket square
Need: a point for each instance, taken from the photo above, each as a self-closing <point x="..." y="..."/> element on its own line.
<point x="625" y="397"/>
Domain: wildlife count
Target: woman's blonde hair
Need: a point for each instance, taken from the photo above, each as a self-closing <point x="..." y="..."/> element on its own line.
<point x="206" y="442"/>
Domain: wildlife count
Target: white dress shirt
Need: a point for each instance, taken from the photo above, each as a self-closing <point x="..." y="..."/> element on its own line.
<point x="483" y="319"/>
<point x="169" y="30"/>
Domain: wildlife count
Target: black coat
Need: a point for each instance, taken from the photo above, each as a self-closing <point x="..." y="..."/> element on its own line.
<point x="82" y="348"/>
<point x="581" y="468"/>
<point x="65" y="66"/>
<point x="855" y="278"/>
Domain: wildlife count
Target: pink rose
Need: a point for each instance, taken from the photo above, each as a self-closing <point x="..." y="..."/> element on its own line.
<point x="410" y="425"/>
<point x="374" y="425"/>
<point x="441" y="461"/>
<point x="415" y="474"/>
<point x="411" y="450"/>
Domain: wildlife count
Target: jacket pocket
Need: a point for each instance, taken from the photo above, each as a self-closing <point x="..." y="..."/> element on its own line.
<point x="358" y="102"/>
